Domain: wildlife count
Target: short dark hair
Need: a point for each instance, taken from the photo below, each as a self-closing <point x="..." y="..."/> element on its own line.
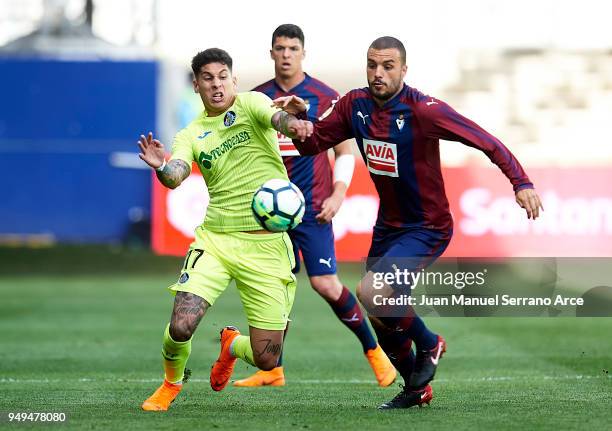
<point x="389" y="42"/>
<point x="291" y="31"/>
<point x="210" y="55"/>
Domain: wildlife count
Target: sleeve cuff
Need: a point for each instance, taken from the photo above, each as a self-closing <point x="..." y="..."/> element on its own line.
<point x="523" y="186"/>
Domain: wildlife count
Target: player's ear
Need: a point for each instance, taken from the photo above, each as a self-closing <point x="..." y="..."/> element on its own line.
<point x="272" y="54"/>
<point x="235" y="81"/>
<point x="196" y="87"/>
<point x="303" y="54"/>
<point x="404" y="70"/>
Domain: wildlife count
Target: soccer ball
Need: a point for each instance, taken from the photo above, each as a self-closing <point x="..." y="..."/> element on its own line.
<point x="278" y="205"/>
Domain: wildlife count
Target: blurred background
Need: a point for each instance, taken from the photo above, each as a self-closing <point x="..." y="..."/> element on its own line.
<point x="80" y="80"/>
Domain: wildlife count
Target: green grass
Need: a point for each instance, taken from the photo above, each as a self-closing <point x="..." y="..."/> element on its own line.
<point x="81" y="331"/>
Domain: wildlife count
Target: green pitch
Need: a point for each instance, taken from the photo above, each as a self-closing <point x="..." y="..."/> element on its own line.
<point x="81" y="332"/>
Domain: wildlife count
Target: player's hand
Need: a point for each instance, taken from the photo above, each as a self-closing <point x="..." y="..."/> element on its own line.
<point x="329" y="208"/>
<point x="529" y="199"/>
<point x="299" y="129"/>
<point x="291" y="104"/>
<point x="151" y="151"/>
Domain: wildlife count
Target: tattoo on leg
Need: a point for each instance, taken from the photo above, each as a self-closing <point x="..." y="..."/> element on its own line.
<point x="188" y="311"/>
<point x="193" y="310"/>
<point x="271" y="348"/>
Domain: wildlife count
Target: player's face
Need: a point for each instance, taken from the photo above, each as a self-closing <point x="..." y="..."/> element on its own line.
<point x="216" y="87"/>
<point x="287" y="54"/>
<point x="385" y="73"/>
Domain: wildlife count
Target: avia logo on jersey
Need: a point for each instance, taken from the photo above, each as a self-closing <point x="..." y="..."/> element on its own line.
<point x="207" y="159"/>
<point x="285" y="145"/>
<point x="381" y="157"/>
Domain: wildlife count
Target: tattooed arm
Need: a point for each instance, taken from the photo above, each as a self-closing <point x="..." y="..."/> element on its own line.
<point x="291" y="126"/>
<point x="173" y="173"/>
<point x="170" y="174"/>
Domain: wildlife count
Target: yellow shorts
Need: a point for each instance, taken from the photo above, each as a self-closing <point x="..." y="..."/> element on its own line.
<point x="260" y="264"/>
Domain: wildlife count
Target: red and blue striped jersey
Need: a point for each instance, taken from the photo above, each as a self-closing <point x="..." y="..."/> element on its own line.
<point x="312" y="174"/>
<point x="399" y="143"/>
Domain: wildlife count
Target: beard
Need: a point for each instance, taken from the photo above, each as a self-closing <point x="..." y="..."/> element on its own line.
<point x="386" y="92"/>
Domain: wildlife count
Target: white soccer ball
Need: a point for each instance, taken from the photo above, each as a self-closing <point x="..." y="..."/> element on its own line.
<point x="278" y="205"/>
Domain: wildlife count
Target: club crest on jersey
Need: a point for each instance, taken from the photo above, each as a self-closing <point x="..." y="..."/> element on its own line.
<point x="229" y="119"/>
<point x="184" y="278"/>
<point x="400" y="122"/>
<point x="381" y="157"/>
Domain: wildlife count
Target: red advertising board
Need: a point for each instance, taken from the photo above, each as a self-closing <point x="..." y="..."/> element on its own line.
<point x="577" y="220"/>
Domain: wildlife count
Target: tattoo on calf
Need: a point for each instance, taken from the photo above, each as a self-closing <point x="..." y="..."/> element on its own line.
<point x="270" y="347"/>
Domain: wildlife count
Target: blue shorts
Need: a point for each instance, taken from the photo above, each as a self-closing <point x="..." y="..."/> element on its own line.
<point x="409" y="248"/>
<point x="316" y="242"/>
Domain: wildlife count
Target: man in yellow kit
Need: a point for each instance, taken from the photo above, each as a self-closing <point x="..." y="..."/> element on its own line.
<point x="234" y="143"/>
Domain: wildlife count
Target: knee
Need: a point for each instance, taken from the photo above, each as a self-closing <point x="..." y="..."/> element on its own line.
<point x="180" y="331"/>
<point x="365" y="296"/>
<point x="328" y="286"/>
<point x="367" y="288"/>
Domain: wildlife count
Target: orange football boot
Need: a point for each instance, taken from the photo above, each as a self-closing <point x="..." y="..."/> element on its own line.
<point x="162" y="397"/>
<point x="274" y="377"/>
<point x="223" y="367"/>
<point x="381" y="365"/>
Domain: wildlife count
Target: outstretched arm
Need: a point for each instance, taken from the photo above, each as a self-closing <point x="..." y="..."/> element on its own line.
<point x="171" y="174"/>
<point x="442" y="122"/>
<point x="325" y="134"/>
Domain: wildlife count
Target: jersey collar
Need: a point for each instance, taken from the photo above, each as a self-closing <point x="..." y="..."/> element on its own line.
<point x="205" y="112"/>
<point x="295" y="89"/>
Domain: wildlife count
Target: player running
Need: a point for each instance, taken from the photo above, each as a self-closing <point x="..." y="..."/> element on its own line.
<point x="397" y="129"/>
<point x="324" y="195"/>
<point x="234" y="144"/>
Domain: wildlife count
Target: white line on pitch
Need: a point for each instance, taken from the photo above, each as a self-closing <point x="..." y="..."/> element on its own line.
<point x="317" y="381"/>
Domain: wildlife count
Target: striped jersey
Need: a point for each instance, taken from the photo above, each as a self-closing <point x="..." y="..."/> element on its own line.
<point x="399" y="143"/>
<point x="312" y="174"/>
